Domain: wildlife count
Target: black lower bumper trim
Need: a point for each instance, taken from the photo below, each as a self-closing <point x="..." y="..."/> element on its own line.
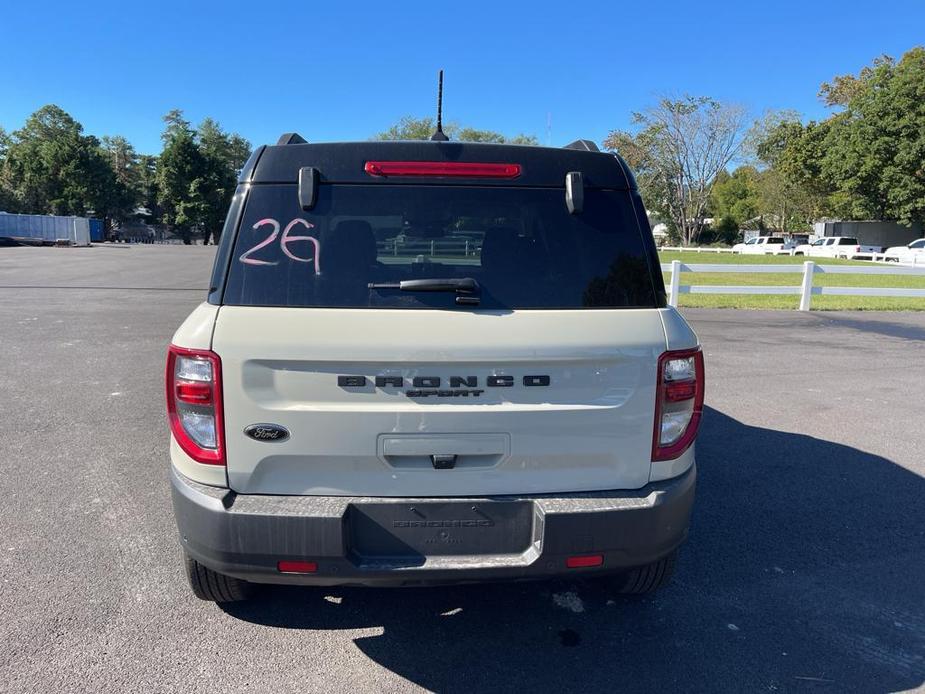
<point x="389" y="541"/>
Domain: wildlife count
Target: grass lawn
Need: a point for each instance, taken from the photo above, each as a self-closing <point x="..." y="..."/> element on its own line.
<point x="779" y="301"/>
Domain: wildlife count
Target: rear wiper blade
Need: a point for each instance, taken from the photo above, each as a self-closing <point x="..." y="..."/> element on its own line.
<point x="467" y="289"/>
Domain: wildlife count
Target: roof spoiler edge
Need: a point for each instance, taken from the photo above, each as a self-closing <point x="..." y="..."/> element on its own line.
<point x="584" y="145"/>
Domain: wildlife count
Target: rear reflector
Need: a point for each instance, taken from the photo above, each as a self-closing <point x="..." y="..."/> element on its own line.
<point x="442" y="169"/>
<point x="297" y="567"/>
<point x="584" y="561"/>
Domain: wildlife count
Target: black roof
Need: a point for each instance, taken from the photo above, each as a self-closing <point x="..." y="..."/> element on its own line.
<point x="343" y="162"/>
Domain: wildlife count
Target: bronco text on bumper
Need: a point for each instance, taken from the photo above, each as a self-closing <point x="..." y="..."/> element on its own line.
<point x="432" y="362"/>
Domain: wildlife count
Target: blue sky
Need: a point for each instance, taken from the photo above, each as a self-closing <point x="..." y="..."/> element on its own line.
<point x="346" y="70"/>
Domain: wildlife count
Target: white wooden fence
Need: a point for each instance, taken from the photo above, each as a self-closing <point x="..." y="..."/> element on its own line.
<point x="805" y="290"/>
<point x="695" y="249"/>
<point x="916" y="259"/>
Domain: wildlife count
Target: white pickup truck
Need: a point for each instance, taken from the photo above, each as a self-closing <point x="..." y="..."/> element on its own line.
<point x="760" y="245"/>
<point x="845" y="247"/>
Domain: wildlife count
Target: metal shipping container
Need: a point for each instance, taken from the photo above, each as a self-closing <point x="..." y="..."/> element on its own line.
<point x="46" y="228"/>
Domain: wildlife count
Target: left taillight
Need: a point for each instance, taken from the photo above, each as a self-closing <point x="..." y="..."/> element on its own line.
<point x="678" y="402"/>
<point x="194" y="403"/>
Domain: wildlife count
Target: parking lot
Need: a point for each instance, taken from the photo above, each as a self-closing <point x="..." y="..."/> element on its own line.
<point x="804" y="570"/>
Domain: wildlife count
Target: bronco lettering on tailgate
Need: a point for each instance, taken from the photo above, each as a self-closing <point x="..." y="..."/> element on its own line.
<point x="430" y="386"/>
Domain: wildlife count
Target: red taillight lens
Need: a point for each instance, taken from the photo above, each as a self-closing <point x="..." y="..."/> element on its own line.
<point x="678" y="402"/>
<point x="676" y="392"/>
<point x="195" y="393"/>
<point x="441" y="169"/>
<point x="194" y="403"/>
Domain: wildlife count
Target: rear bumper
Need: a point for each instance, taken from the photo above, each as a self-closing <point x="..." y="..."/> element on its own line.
<point x="246" y="535"/>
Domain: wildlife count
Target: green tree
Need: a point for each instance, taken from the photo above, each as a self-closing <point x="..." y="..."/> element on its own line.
<point x="147" y="186"/>
<point x="677" y="150"/>
<point x="475" y="135"/>
<point x="737" y="196"/>
<point x="230" y="149"/>
<point x="122" y="198"/>
<point x="180" y="170"/>
<point x="844" y="88"/>
<point x="864" y="161"/>
<point x="197" y="174"/>
<point x="6" y="195"/>
<point x="175" y="125"/>
<point x="122" y="159"/>
<point x="224" y="154"/>
<point x="877" y="144"/>
<point x="725" y="230"/>
<point x="411" y="128"/>
<point x="51" y="167"/>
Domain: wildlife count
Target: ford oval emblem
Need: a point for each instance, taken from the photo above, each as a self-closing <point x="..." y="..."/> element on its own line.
<point x="267" y="432"/>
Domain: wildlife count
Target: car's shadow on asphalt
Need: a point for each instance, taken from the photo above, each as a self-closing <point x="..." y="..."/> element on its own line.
<point x="805" y="570"/>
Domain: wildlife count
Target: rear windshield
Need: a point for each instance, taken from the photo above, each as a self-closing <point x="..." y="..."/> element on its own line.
<point x="520" y="245"/>
<point x="775" y="239"/>
<point x="847" y="241"/>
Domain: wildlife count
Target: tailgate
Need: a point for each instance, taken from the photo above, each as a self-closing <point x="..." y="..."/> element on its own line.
<point x="438" y="403"/>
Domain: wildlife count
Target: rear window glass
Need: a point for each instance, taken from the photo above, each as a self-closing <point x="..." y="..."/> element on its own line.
<point x="846" y="241"/>
<point x="775" y="239"/>
<point x="520" y="245"/>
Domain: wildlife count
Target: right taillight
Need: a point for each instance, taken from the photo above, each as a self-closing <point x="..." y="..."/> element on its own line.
<point x="194" y="403"/>
<point x="678" y="402"/>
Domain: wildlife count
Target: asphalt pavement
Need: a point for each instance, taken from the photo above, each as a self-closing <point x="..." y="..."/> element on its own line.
<point x="804" y="570"/>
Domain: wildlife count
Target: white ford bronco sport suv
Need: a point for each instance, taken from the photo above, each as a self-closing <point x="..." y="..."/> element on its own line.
<point x="432" y="362"/>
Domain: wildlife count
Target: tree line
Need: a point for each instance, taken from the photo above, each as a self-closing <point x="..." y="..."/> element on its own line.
<point x="865" y="161"/>
<point x="50" y="166"/>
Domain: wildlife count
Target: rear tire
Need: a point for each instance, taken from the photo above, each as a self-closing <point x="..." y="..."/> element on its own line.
<point x="646" y="579"/>
<point x="213" y="586"/>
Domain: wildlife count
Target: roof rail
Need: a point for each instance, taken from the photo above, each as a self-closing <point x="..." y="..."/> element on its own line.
<point x="585" y="145"/>
<point x="291" y="139"/>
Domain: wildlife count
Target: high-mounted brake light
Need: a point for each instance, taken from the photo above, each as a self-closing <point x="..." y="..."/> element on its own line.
<point x="194" y="403"/>
<point x="441" y="169"/>
<point x="678" y="402"/>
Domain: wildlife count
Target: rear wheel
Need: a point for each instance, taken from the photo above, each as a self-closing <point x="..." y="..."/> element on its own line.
<point x="646" y="579"/>
<point x="211" y="585"/>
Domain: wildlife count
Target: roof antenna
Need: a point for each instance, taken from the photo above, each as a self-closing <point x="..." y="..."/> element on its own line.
<point x="439" y="136"/>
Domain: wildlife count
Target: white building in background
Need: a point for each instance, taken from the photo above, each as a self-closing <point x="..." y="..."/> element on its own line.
<point x="660" y="233"/>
